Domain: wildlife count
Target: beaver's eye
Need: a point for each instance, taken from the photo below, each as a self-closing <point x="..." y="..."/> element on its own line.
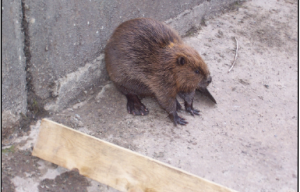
<point x="197" y="71"/>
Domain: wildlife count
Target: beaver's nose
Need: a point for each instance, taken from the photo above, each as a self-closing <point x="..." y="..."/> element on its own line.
<point x="208" y="80"/>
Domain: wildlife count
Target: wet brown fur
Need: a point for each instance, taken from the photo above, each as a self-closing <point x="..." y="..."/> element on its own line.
<point x="144" y="57"/>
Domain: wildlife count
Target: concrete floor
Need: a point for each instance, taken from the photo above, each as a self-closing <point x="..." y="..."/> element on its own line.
<point x="247" y="142"/>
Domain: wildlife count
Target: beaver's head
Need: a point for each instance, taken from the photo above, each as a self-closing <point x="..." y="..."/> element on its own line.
<point x="191" y="71"/>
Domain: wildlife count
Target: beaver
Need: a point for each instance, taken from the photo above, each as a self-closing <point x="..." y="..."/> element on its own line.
<point x="145" y="57"/>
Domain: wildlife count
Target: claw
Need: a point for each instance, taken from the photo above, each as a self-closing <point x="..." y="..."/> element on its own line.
<point x="196" y="112"/>
<point x="177" y="119"/>
<point x="135" y="107"/>
<point x="182" y="121"/>
<point x="192" y="111"/>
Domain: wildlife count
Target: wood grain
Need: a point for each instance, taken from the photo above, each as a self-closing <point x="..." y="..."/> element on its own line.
<point x="120" y="168"/>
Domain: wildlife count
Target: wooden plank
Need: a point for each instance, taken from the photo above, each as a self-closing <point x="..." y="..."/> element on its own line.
<point x="112" y="165"/>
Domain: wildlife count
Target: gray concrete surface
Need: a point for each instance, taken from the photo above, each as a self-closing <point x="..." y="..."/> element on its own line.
<point x="14" y="95"/>
<point x="248" y="141"/>
<point x="65" y="40"/>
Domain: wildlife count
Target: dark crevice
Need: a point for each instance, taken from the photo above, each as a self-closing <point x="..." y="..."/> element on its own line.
<point x="35" y="105"/>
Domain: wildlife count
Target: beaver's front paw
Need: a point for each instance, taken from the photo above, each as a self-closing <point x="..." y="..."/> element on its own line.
<point x="177" y="119"/>
<point x="192" y="111"/>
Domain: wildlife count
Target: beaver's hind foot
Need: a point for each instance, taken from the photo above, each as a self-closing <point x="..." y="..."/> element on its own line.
<point x="135" y="106"/>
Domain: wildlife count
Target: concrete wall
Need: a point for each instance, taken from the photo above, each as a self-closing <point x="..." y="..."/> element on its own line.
<point x="14" y="95"/>
<point x="65" y="40"/>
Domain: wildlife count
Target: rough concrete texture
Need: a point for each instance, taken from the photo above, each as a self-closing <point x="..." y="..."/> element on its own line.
<point x="70" y="85"/>
<point x="65" y="36"/>
<point x="247" y="142"/>
<point x="190" y="21"/>
<point x="14" y="96"/>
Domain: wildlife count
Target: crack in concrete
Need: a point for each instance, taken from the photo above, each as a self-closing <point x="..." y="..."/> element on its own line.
<point x="35" y="105"/>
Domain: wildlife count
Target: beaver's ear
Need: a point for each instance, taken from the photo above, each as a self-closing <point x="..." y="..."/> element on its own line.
<point x="181" y="61"/>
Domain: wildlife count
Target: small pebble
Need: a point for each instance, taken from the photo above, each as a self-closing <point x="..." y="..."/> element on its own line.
<point x="78" y="116"/>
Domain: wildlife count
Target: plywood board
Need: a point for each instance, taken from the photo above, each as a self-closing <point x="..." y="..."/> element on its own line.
<point x="112" y="165"/>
